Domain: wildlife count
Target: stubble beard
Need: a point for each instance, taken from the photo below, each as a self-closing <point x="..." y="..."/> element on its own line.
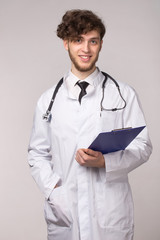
<point x="78" y="67"/>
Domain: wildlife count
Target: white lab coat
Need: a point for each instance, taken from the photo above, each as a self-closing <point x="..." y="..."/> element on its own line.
<point x="90" y="203"/>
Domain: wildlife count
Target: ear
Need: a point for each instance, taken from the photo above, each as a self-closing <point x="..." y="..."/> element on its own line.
<point x="65" y="43"/>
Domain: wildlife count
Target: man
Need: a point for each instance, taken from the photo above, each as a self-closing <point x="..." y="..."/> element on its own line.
<point x="87" y="194"/>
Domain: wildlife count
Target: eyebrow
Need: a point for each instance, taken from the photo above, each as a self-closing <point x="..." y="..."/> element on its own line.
<point x="81" y="37"/>
<point x="92" y="38"/>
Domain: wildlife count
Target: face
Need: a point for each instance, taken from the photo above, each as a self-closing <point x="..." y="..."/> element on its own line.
<point x="84" y="51"/>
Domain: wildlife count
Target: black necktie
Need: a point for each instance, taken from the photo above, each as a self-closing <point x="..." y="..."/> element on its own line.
<point x="83" y="85"/>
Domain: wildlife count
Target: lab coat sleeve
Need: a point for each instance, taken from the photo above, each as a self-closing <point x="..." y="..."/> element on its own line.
<point x="120" y="163"/>
<point x="39" y="156"/>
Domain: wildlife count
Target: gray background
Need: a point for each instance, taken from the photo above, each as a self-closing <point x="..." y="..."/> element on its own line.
<point x="32" y="59"/>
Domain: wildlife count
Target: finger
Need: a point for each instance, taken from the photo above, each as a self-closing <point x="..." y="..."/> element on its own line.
<point x="91" y="152"/>
<point x="79" y="157"/>
<point x="82" y="152"/>
<point x="82" y="158"/>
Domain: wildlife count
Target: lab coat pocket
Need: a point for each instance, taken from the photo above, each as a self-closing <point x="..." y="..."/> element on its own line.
<point x="114" y="206"/>
<point x="57" y="208"/>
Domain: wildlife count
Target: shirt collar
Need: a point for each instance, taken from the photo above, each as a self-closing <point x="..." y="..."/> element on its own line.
<point x="71" y="79"/>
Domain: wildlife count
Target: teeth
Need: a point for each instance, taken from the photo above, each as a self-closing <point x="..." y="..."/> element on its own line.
<point x="85" y="57"/>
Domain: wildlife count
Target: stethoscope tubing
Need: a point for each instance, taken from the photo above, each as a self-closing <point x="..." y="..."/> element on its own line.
<point x="47" y="115"/>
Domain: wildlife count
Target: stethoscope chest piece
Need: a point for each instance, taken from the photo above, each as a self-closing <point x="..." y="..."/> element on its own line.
<point x="47" y="116"/>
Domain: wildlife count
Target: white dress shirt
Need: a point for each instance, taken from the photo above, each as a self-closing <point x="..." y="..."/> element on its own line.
<point x="73" y="89"/>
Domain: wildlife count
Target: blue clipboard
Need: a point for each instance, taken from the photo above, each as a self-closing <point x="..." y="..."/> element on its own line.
<point x="107" y="142"/>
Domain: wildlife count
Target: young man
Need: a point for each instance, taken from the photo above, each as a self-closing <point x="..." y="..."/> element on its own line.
<point x="87" y="194"/>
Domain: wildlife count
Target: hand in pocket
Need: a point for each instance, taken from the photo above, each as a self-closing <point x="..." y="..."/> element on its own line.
<point x="60" y="209"/>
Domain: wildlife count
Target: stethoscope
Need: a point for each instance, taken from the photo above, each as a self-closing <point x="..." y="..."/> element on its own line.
<point x="47" y="115"/>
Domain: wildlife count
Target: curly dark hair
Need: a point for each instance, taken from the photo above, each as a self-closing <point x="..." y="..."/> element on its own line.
<point x="76" y="22"/>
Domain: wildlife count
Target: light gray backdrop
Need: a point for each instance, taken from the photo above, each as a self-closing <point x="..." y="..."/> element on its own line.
<point x="32" y="59"/>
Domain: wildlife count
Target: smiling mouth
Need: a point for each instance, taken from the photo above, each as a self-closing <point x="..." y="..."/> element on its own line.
<point x="85" y="58"/>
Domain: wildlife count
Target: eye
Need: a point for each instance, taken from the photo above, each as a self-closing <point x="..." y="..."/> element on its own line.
<point x="93" y="42"/>
<point x="78" y="40"/>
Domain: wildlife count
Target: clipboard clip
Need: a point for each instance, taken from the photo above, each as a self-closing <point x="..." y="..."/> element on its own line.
<point x="120" y="129"/>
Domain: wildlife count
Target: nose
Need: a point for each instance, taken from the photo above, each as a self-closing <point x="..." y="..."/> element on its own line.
<point x="85" y="47"/>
